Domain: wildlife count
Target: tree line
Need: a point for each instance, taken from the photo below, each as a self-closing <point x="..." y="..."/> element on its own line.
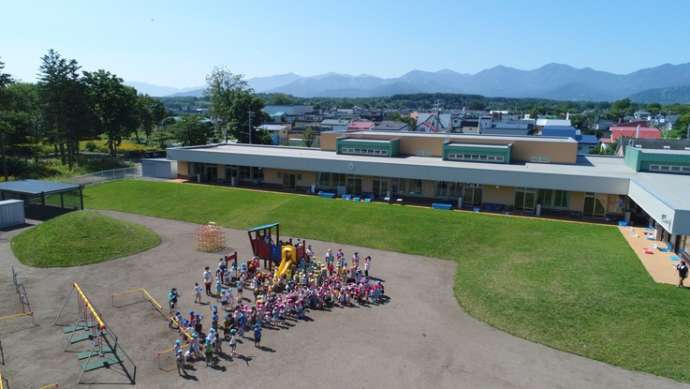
<point x="67" y="105"/>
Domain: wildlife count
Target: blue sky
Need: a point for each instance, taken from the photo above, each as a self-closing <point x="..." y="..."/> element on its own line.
<point x="175" y="43"/>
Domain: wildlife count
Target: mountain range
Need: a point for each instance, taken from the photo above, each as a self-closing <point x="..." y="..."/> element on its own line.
<point x="551" y="81"/>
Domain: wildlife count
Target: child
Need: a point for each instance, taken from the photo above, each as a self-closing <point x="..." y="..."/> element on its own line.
<point x="197" y="293"/>
<point x="207" y="278"/>
<point x="179" y="358"/>
<point x="257" y="334"/>
<point x="219" y="287"/>
<point x="240" y="287"/>
<point x="355" y="260"/>
<point x="172" y="299"/>
<point x="208" y="350"/>
<point x="233" y="342"/>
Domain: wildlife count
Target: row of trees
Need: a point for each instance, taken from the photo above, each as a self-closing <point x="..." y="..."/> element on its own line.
<point x="68" y="105"/>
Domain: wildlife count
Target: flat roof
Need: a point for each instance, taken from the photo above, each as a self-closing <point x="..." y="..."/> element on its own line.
<point x="451" y="135"/>
<point x="368" y="140"/>
<point x="671" y="188"/>
<point x="589" y="165"/>
<point x="35" y="187"/>
<point x="478" y="145"/>
<point x="664" y="151"/>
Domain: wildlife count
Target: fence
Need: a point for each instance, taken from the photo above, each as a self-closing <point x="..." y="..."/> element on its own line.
<point x="21" y="294"/>
<point x="107" y="175"/>
<point x="24" y="302"/>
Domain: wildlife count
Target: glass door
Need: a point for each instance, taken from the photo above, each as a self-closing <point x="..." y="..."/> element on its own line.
<point x="593" y="206"/>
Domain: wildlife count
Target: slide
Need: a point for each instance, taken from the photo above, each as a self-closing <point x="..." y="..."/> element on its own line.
<point x="288" y="255"/>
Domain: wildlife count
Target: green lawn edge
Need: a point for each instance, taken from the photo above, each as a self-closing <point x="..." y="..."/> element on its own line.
<point x="81" y="238"/>
<point x="575" y="287"/>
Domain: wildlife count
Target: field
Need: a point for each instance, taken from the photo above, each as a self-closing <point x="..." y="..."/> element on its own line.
<point x="80" y="238"/>
<point x="573" y="286"/>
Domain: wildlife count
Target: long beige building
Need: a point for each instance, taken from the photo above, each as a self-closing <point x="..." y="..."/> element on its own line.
<point x="525" y="174"/>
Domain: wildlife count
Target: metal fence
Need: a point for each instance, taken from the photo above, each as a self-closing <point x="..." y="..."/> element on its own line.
<point x="107" y="175"/>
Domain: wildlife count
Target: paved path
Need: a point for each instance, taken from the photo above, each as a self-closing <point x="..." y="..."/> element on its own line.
<point x="422" y="338"/>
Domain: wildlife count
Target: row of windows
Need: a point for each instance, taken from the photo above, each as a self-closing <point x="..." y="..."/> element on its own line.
<point x="358" y="151"/>
<point x="475" y="157"/>
<point x="669" y="168"/>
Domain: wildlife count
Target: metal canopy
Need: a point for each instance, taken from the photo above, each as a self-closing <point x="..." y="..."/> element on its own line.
<point x="263" y="227"/>
<point x="37" y="187"/>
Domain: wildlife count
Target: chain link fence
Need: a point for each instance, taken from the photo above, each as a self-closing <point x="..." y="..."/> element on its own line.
<point x="107" y="175"/>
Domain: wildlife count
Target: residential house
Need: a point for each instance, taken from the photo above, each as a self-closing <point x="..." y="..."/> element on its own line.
<point x="389" y="125"/>
<point x="360" y="125"/>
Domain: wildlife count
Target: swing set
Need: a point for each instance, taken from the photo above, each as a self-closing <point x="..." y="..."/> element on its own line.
<point x="103" y="348"/>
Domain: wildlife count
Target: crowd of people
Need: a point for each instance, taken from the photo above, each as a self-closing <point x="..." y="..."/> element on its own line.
<point x="310" y="285"/>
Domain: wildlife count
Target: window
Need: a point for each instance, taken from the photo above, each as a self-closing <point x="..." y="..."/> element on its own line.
<point x="499" y="158"/>
<point x="490" y="158"/>
<point x="482" y="157"/>
<point x="560" y="199"/>
<point x="324" y="179"/>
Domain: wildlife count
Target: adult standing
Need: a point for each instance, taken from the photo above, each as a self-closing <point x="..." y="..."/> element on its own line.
<point x="207" y="278"/>
<point x="682" y="269"/>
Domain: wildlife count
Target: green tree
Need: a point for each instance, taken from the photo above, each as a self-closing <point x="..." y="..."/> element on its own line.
<point x="680" y="128"/>
<point x="192" y="130"/>
<point x="234" y="106"/>
<point x="65" y="109"/>
<point x="114" y="106"/>
<point x="621" y="108"/>
<point x="151" y="112"/>
<point x="654" y="108"/>
<point x="308" y="136"/>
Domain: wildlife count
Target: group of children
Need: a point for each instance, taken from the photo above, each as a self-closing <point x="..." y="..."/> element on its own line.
<point x="310" y="286"/>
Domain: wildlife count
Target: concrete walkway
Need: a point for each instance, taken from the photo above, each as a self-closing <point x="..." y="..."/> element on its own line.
<point x="421" y="338"/>
<point x="660" y="265"/>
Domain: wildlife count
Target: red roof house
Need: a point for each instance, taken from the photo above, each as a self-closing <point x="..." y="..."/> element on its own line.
<point x="634" y="132"/>
<point x="360" y="125"/>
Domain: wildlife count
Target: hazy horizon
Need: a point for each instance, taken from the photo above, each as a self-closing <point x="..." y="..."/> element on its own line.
<point x="173" y="45"/>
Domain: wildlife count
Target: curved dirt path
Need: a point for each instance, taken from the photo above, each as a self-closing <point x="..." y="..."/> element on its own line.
<point x="422" y="338"/>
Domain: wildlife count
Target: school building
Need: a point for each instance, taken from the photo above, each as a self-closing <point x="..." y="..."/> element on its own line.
<point x="537" y="175"/>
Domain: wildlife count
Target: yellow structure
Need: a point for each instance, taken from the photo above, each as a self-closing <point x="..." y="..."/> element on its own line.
<point x="288" y="256"/>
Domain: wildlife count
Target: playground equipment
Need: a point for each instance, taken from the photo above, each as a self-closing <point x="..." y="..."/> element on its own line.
<point x="134" y="296"/>
<point x="288" y="261"/>
<point x="4" y="384"/>
<point x="164" y="359"/>
<point x="104" y="349"/>
<point x="266" y="244"/>
<point x="210" y="238"/>
<point x="23" y="297"/>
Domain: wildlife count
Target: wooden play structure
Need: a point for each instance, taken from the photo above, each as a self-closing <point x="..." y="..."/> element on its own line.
<point x="88" y="328"/>
<point x="266" y="244"/>
<point x="210" y="238"/>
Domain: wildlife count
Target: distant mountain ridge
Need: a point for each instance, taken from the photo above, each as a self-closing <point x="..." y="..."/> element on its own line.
<point x="670" y="95"/>
<point x="552" y="81"/>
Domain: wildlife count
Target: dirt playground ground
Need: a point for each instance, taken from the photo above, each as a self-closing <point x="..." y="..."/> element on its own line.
<point x="420" y="339"/>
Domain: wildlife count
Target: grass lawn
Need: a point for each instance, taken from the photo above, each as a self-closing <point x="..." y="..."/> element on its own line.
<point x="80" y="238"/>
<point x="576" y="287"/>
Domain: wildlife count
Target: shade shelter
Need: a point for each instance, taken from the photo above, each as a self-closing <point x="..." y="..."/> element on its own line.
<point x="44" y="199"/>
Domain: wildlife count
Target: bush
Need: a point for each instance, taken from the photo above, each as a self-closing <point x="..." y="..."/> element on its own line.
<point x="91" y="146"/>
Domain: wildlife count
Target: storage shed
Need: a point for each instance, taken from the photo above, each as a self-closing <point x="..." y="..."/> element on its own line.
<point x="159" y="168"/>
<point x="11" y="213"/>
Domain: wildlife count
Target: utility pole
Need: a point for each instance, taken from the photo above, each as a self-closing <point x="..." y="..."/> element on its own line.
<point x="250" y="126"/>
